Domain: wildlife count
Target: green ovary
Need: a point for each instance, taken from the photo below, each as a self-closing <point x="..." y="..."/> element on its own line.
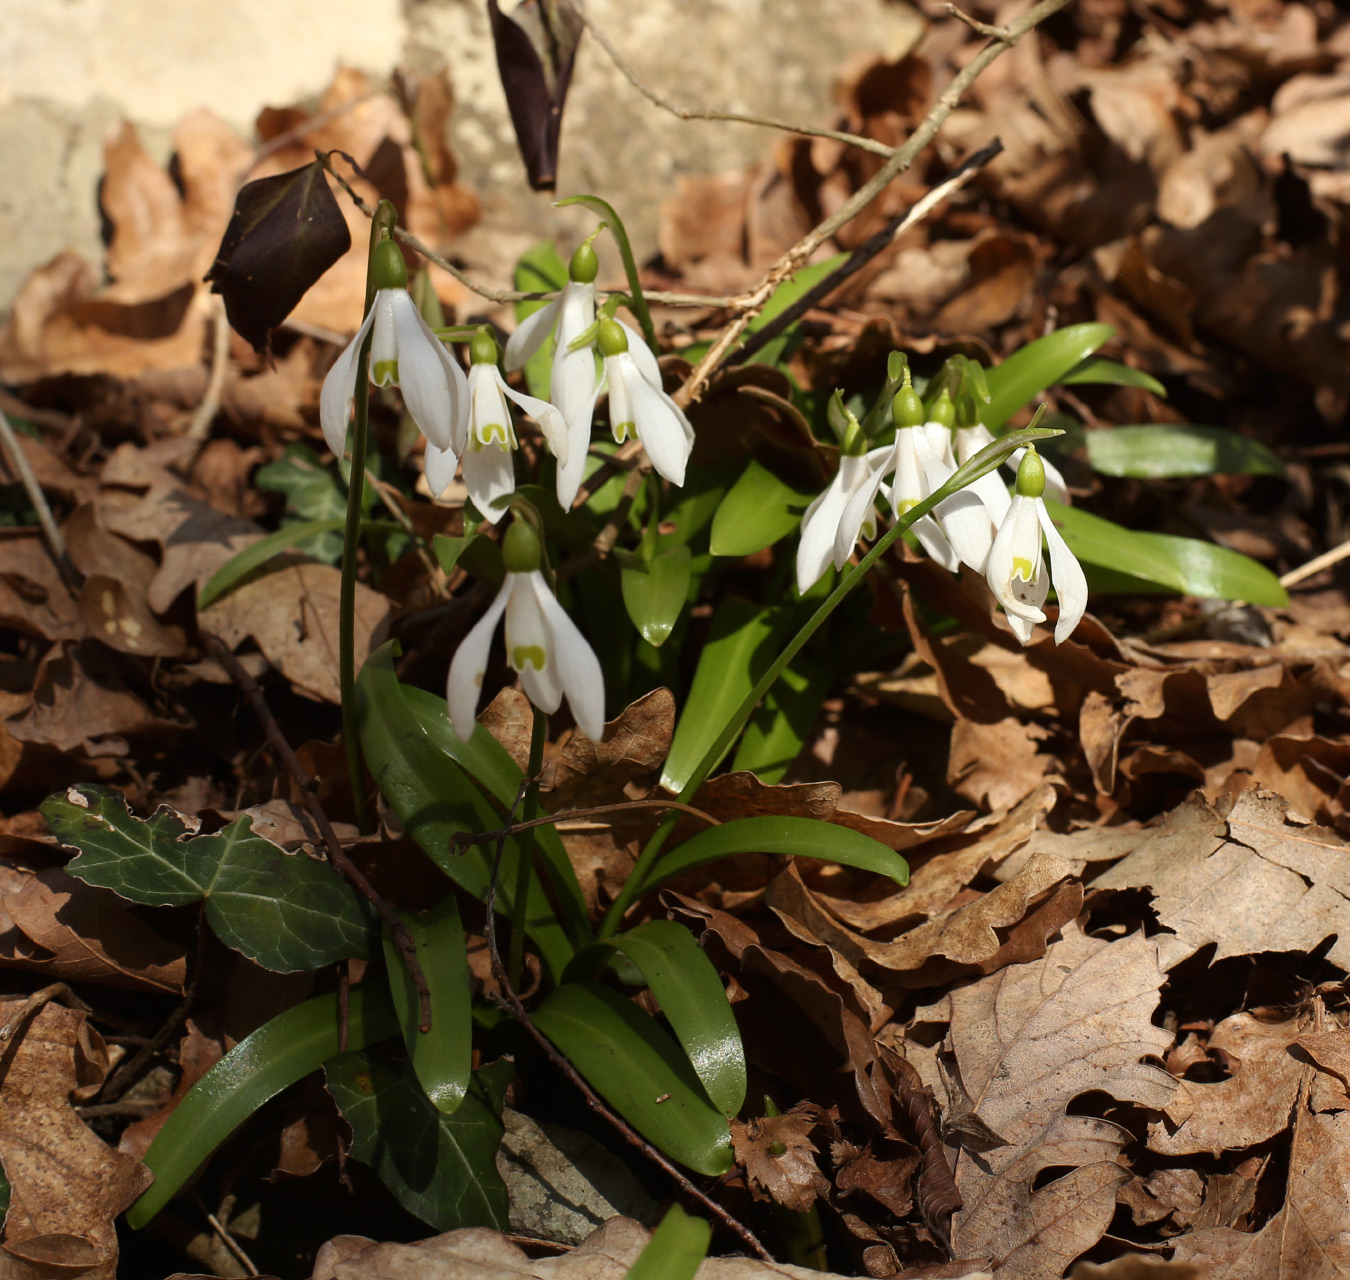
<point x="528" y="655"/>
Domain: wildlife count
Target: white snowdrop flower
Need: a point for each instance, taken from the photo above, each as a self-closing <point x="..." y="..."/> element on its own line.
<point x="1016" y="569"/>
<point x="405" y="353"/>
<point x="489" y="470"/>
<point x="821" y="523"/>
<point x="542" y="643"/>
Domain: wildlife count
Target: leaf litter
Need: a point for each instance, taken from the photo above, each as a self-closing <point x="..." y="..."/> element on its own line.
<point x="1103" y="1030"/>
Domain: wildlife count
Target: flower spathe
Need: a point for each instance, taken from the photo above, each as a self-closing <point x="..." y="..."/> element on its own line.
<point x="542" y="644"/>
<point x="405" y="353"/>
<point x="1016" y="569"/>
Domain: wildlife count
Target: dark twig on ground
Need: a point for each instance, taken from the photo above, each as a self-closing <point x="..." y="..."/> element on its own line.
<point x="510" y="1002"/>
<point x="309" y="786"/>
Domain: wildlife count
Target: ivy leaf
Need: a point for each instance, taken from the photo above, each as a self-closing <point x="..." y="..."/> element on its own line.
<point x="285" y="911"/>
<point x="284" y="233"/>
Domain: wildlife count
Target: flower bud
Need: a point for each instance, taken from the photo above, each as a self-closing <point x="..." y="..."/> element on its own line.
<point x="521" y="551"/>
<point x="387" y="268"/>
<point x="612" y="340"/>
<point x="1030" y="475"/>
<point x="483" y="347"/>
<point x="907" y="409"/>
<point x="585" y="264"/>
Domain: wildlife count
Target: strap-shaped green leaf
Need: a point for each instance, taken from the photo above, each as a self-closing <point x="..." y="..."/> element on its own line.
<point x="758" y="510"/>
<point x="639" y="1070"/>
<point x="794" y="837"/>
<point x="1097" y="369"/>
<point x="286" y="911"/>
<point x="260" y="1066"/>
<point x="415" y="766"/>
<point x="442" y="1058"/>
<point x="1039" y="365"/>
<point x="1186" y="565"/>
<point x="1150" y="451"/>
<point x="783" y="721"/>
<point x="692" y="997"/>
<point x="676" y="1249"/>
<point x="440" y="1167"/>
<point x="655" y="591"/>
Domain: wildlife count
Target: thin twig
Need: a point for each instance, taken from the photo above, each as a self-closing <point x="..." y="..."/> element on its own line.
<point x="735" y="117"/>
<point x="864" y="253"/>
<point x="464" y="840"/>
<point x="389" y="496"/>
<point x="19" y="464"/>
<point x="1316" y="565"/>
<point x="980" y="28"/>
<point x="309" y="786"/>
<point x="510" y="1002"/>
<point x="200" y="425"/>
<point x="226" y="1238"/>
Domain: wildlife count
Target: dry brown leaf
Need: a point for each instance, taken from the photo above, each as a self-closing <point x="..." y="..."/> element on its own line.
<point x="509" y="718"/>
<point x="1136" y="1266"/>
<point x="67" y="1187"/>
<point x="997" y="765"/>
<point x="789" y="1176"/>
<point x="1027" y="1041"/>
<point x="1258" y="881"/>
<point x="34" y="598"/>
<point x="587" y="773"/>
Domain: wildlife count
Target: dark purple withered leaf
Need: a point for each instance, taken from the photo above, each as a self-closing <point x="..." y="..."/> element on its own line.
<point x="284" y="233"/>
<point x="536" y="49"/>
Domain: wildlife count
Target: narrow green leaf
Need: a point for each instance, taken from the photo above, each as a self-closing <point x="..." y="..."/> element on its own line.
<point x="675" y="1251"/>
<point x="1153" y="451"/>
<point x="1183" y="564"/>
<point x="758" y="510"/>
<point x="639" y="1070"/>
<point x="442" y="1058"/>
<point x="690" y="991"/>
<point x="259" y="1067"/>
<point x="238" y="567"/>
<point x="1097" y="369"/>
<point x="743" y="640"/>
<point x="440" y="1167"/>
<point x="654" y="592"/>
<point x="1037" y="366"/>
<point x="778" y="730"/>
<point x="540" y="269"/>
<point x="416" y="766"/>
<point x="794" y="837"/>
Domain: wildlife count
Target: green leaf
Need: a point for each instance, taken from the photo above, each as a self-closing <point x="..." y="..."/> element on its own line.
<point x="313" y="491"/>
<point x="1183" y="564"/>
<point x="540" y="269"/>
<point x="637" y="302"/>
<point x="676" y="1249"/>
<point x="654" y="592"/>
<point x="476" y="554"/>
<point x="440" y="1167"/>
<point x="690" y="991"/>
<point x="778" y="730"/>
<point x="442" y="1058"/>
<point x="758" y="510"/>
<point x="238" y="567"/>
<point x="287" y="912"/>
<point x="259" y="1067"/>
<point x="1156" y="451"/>
<point x="743" y="640"/>
<point x="1097" y="369"/>
<point x="794" y="837"/>
<point x="416" y="761"/>
<point x="633" y="1064"/>
<point x="1038" y="365"/>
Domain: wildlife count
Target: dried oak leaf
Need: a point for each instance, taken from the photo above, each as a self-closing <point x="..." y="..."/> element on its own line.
<point x="780" y="1159"/>
<point x="1256" y="881"/>
<point x="634" y="744"/>
<point x="1027" y="1041"/>
<point x="67" y="1187"/>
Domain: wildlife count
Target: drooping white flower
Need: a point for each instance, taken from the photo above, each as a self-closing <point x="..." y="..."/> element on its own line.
<point x="405" y="353"/>
<point x="489" y="470"/>
<point x="820" y="524"/>
<point x="1016" y="569"/>
<point x="542" y="643"/>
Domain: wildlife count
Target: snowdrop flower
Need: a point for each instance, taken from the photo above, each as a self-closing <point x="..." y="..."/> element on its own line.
<point x="573" y="378"/>
<point x="1016" y="570"/>
<point x="542" y="644"/>
<point x="489" y="470"/>
<point x="917" y="469"/>
<point x="820" y="524"/>
<point x="403" y="353"/>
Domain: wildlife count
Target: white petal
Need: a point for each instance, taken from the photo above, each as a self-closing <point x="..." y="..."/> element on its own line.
<point x="1018" y="539"/>
<point x="529" y="638"/>
<point x="440" y="469"/>
<point x="489" y="474"/>
<point x="573" y="376"/>
<point x="578" y="667"/>
<point x="384" y="341"/>
<point x="969" y="529"/>
<point x="550" y="420"/>
<point x="991" y="490"/>
<point x="815" y="551"/>
<point x="1070" y="583"/>
<point x="935" y="542"/>
<point x="970" y="440"/>
<point x="530" y="334"/>
<point x="573" y="471"/>
<point x="465" y="682"/>
<point x="339" y="390"/>
<point x="1021" y="627"/>
<point x="542" y="688"/>
<point x="430" y="380"/>
<point x="939" y="438"/>
<point x="857" y="510"/>
<point x="661" y="425"/>
<point x="489" y="415"/>
<point x="647" y="364"/>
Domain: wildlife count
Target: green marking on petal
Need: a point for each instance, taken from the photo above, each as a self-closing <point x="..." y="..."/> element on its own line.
<point x="385" y="373"/>
<point x="1023" y="568"/>
<point x="493" y="433"/>
<point x="528" y="655"/>
<point x="905" y="504"/>
<point x="623" y="430"/>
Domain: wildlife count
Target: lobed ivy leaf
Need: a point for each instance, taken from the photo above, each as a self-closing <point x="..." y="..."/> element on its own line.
<point x="286" y="912"/>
